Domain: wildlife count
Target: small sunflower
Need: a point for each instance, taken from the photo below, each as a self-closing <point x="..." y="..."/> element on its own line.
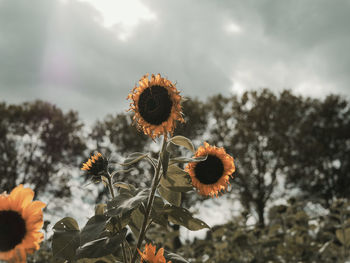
<point x="149" y="255"/>
<point x="21" y="219"/>
<point x="156" y="104"/>
<point x="95" y="165"/>
<point x="211" y="176"/>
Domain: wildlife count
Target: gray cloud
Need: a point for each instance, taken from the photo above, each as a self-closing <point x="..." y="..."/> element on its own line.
<point x="61" y="52"/>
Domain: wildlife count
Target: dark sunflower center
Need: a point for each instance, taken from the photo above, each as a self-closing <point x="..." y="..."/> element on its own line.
<point x="155" y="105"/>
<point x="98" y="166"/>
<point x="12" y="229"/>
<point x="210" y="170"/>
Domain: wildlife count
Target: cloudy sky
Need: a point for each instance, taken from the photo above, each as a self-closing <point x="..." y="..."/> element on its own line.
<point x="87" y="55"/>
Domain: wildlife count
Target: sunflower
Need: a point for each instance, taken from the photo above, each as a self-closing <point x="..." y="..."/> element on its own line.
<point x="156" y="104"/>
<point x="96" y="165"/>
<point x="149" y="255"/>
<point x="211" y="176"/>
<point x="21" y="219"/>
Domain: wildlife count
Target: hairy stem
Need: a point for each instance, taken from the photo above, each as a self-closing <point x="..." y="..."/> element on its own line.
<point x="123" y="243"/>
<point x="124" y="253"/>
<point x="150" y="201"/>
<point x="110" y="185"/>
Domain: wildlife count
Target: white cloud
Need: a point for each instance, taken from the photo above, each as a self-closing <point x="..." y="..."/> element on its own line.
<point x="89" y="54"/>
<point x="126" y="15"/>
<point x="233" y="28"/>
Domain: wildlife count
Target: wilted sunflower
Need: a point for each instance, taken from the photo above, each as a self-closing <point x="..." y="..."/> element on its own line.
<point x="149" y="255"/>
<point x="21" y="219"/>
<point x="96" y="165"/>
<point x="211" y="176"/>
<point x="156" y="104"/>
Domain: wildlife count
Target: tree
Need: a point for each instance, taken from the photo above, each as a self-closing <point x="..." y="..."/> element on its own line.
<point x="117" y="134"/>
<point x="320" y="166"/>
<point x="36" y="141"/>
<point x="256" y="129"/>
<point x="305" y="141"/>
<point x="196" y="119"/>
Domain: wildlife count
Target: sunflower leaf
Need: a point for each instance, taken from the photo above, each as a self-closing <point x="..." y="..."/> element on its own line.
<point x="122" y="171"/>
<point x="177" y="180"/>
<point x="174" y="258"/>
<point x="67" y="223"/>
<point x="126" y="202"/>
<point x="182" y="216"/>
<point x="165" y="156"/>
<point x="118" y="222"/>
<point x="156" y="213"/>
<point x="100" y="209"/>
<point x="106" y="259"/>
<point x="124" y="185"/>
<point x="101" y="247"/>
<point x="93" y="229"/>
<point x="66" y="239"/>
<point x="176" y="185"/>
<point x="135" y="222"/>
<point x="133" y="158"/>
<point x="183" y="141"/>
<point x="343" y="236"/>
<point x="187" y="160"/>
<point x="130" y="190"/>
<point x="171" y="196"/>
<point x="182" y="189"/>
<point x="174" y="171"/>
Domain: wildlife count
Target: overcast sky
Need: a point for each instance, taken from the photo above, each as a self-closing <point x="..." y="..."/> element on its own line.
<point x="88" y="55"/>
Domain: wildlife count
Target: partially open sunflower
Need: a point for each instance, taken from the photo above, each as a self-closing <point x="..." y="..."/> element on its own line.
<point x="21" y="219"/>
<point x="157" y="106"/>
<point x="211" y="176"/>
<point x="95" y="166"/>
<point x="149" y="255"/>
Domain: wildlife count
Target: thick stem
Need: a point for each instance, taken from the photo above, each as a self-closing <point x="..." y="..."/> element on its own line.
<point x="149" y="202"/>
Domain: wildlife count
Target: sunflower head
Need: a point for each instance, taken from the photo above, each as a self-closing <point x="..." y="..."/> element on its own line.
<point x="211" y="176"/>
<point x="21" y="219"/>
<point x="157" y="106"/>
<point x="149" y="255"/>
<point x="95" y="166"/>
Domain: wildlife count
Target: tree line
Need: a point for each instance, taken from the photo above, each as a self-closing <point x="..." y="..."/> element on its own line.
<point x="283" y="145"/>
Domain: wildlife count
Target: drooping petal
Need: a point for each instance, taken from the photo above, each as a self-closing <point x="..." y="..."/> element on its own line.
<point x="149" y="255"/>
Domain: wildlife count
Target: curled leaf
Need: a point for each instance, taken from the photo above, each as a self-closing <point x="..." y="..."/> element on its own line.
<point x="134" y="158"/>
<point x="187" y="159"/>
<point x="183" y="141"/>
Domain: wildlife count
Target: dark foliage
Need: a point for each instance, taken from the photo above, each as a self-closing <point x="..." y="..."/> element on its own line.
<point x="36" y="141"/>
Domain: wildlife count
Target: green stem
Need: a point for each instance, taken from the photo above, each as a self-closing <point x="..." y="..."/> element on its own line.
<point x="123" y="242"/>
<point x="110" y="185"/>
<point x="124" y="252"/>
<point x="129" y="250"/>
<point x="149" y="202"/>
<point x="111" y="190"/>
